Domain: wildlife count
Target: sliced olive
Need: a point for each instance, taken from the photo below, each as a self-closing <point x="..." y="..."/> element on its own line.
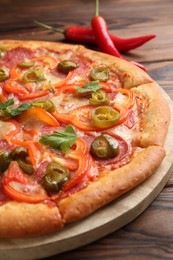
<point x="35" y="75"/>
<point x="4" y="161"/>
<point x="99" y="98"/>
<point x="100" y="73"/>
<point x="25" y="165"/>
<point x="56" y="176"/>
<point x="3" y="75"/>
<point x="26" y="64"/>
<point x="44" y="104"/>
<point x="105" y="147"/>
<point x="105" y="116"/>
<point x="66" y="65"/>
<point x="19" y="152"/>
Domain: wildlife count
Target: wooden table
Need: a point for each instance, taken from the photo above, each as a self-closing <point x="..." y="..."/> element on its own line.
<point x="150" y="236"/>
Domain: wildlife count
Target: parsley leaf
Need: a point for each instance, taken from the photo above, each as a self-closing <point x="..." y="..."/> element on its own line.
<point x="18" y="110"/>
<point x="92" y="86"/>
<point x="8" y="103"/>
<point x="61" y="139"/>
<point x="6" y="111"/>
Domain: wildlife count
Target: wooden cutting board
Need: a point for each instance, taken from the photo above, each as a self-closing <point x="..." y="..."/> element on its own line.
<point x="102" y="222"/>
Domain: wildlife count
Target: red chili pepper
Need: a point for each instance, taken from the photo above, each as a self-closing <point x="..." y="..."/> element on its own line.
<point x="104" y="41"/>
<point x="86" y="35"/>
<point x="102" y="36"/>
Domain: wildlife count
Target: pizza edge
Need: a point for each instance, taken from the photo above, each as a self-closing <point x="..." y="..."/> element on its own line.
<point x="156" y="118"/>
<point x="111" y="185"/>
<point x="18" y="219"/>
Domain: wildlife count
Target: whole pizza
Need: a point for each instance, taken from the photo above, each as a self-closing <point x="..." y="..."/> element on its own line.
<point x="78" y="129"/>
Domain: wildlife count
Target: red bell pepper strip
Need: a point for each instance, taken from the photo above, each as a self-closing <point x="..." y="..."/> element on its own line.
<point x="40" y="114"/>
<point x="81" y="155"/>
<point x="47" y="60"/>
<point x="25" y="190"/>
<point x="11" y="87"/>
<point x="86" y="35"/>
<point x="34" y="95"/>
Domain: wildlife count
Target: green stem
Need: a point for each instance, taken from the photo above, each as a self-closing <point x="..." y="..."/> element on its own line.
<point x="50" y="27"/>
<point x="97" y="8"/>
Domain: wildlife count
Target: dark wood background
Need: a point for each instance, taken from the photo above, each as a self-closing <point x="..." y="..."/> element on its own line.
<point x="150" y="236"/>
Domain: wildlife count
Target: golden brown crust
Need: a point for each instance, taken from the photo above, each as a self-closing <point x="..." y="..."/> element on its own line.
<point x="24" y="219"/>
<point x="10" y="44"/>
<point x="111" y="185"/>
<point x="156" y="117"/>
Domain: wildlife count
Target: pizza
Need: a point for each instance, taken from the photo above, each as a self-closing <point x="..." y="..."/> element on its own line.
<point x="78" y="128"/>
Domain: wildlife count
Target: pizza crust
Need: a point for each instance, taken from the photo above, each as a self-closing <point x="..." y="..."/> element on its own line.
<point x="111" y="185"/>
<point x="24" y="219"/>
<point x="156" y="118"/>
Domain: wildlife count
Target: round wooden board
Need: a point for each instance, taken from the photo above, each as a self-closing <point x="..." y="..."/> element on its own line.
<point x="102" y="222"/>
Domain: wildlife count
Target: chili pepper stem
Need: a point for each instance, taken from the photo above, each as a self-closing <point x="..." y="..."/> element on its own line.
<point x="50" y="27"/>
<point x="97" y="8"/>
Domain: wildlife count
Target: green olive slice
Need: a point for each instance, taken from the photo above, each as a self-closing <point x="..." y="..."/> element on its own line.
<point x="99" y="98"/>
<point x="100" y="73"/>
<point x="25" y="165"/>
<point x="4" y="161"/>
<point x="104" y="147"/>
<point x="19" y="152"/>
<point x="66" y="65"/>
<point x="26" y="64"/>
<point x="3" y="75"/>
<point x="48" y="105"/>
<point x="35" y="75"/>
<point x="56" y="176"/>
<point x="105" y="116"/>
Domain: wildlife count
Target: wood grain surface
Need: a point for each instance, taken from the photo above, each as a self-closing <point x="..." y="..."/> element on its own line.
<point x="150" y="236"/>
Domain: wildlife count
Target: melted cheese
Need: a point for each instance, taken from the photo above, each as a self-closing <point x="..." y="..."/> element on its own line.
<point x="5" y="128"/>
<point x="65" y="104"/>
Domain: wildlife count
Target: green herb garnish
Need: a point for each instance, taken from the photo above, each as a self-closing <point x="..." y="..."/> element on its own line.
<point x="61" y="139"/>
<point x="7" y="111"/>
<point x="89" y="87"/>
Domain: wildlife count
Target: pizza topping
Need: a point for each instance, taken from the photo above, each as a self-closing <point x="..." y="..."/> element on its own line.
<point x="4" y="161"/>
<point x="56" y="176"/>
<point x="89" y="87"/>
<point x="34" y="76"/>
<point x="39" y="115"/>
<point x="26" y="64"/>
<point x="21" y="187"/>
<point x="99" y="98"/>
<point x="20" y="154"/>
<point x="66" y="65"/>
<point x="3" y="75"/>
<point x="105" y="116"/>
<point x="47" y="105"/>
<point x="7" y="111"/>
<point x="62" y="139"/>
<point x="104" y="147"/>
<point x="100" y="73"/>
